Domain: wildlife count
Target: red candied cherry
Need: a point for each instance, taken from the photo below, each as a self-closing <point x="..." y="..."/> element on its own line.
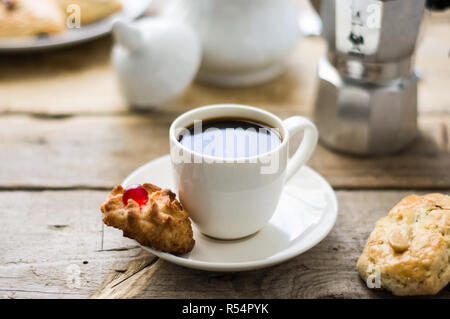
<point x="137" y="193"/>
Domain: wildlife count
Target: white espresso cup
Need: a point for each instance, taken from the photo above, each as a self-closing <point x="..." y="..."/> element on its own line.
<point x="230" y="198"/>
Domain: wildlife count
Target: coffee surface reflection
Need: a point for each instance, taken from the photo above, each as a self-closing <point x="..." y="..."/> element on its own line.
<point x="230" y="137"/>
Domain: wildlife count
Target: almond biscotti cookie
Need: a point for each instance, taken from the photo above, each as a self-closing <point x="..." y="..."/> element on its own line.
<point x="409" y="250"/>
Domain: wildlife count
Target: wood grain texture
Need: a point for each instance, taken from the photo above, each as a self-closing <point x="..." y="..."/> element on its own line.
<point x="100" y="151"/>
<point x="81" y="80"/>
<point x="36" y="255"/>
<point x="44" y="235"/>
<point x="131" y="280"/>
<point x="326" y="271"/>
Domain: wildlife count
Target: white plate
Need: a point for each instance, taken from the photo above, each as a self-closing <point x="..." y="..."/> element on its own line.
<point x="131" y="10"/>
<point x="305" y="215"/>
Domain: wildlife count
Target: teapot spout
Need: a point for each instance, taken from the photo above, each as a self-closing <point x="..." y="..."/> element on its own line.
<point x="127" y="35"/>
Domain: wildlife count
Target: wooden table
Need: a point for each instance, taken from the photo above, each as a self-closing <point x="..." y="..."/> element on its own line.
<point x="67" y="136"/>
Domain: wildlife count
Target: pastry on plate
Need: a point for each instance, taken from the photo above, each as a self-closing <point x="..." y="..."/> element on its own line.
<point x="409" y="250"/>
<point x="150" y="215"/>
<point x="92" y="10"/>
<point x="26" y="18"/>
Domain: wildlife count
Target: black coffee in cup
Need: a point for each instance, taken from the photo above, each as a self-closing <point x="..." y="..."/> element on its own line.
<point x="230" y="137"/>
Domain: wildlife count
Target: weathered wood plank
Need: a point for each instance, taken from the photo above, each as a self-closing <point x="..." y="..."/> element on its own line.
<point x="36" y="259"/>
<point x="100" y="151"/>
<point x="326" y="271"/>
<point x="423" y="165"/>
<point x="131" y="280"/>
<point x="70" y="81"/>
<point x="81" y="80"/>
<point x="80" y="151"/>
<point x="77" y="79"/>
<point x="51" y="226"/>
<point x="47" y="237"/>
<point x="432" y="61"/>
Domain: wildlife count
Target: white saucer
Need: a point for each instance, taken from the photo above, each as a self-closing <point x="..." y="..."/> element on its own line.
<point x="305" y="215"/>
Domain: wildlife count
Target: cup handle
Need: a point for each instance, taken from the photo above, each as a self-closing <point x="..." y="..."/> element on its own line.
<point x="295" y="125"/>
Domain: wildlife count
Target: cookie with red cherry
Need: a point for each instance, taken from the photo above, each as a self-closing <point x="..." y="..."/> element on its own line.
<point x="150" y="215"/>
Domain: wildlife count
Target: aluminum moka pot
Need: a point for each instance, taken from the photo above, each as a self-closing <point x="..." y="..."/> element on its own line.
<point x="367" y="98"/>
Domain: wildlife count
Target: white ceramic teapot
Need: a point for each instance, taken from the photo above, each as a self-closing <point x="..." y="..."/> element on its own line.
<point x="245" y="42"/>
<point x="155" y="59"/>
